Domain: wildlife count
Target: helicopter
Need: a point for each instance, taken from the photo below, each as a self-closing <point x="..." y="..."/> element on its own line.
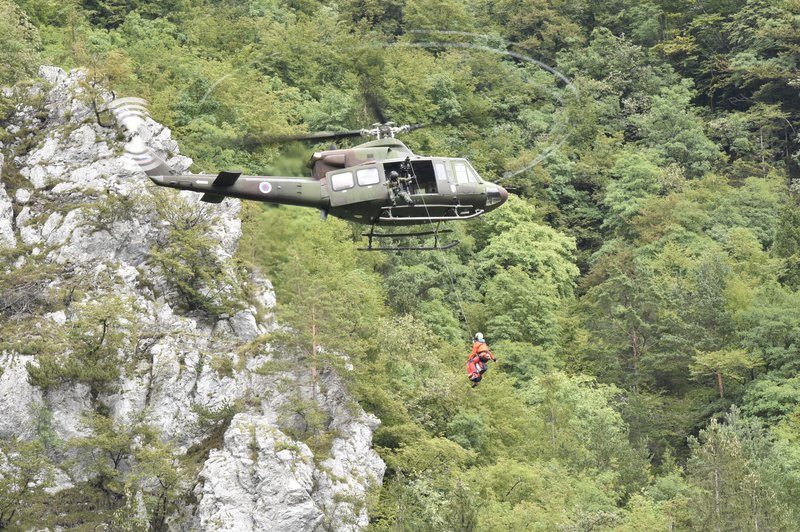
<point x="378" y="183"/>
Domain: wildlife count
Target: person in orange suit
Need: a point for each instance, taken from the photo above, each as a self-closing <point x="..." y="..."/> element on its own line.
<point x="476" y="363"/>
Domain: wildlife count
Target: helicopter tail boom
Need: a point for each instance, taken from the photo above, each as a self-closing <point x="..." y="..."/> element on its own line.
<point x="226" y="179"/>
<point x="303" y="192"/>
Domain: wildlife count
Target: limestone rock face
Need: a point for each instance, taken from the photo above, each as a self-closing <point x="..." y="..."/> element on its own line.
<point x="7" y="237"/>
<point x="80" y="206"/>
<point x="18" y="399"/>
<point x="264" y="467"/>
<point x="260" y="480"/>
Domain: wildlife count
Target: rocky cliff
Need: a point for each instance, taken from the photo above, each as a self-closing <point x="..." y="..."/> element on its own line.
<point x="86" y="238"/>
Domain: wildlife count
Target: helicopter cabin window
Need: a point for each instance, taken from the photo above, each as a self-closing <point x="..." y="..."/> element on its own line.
<point x="342" y="181"/>
<point x="461" y="173"/>
<point x="368" y="176"/>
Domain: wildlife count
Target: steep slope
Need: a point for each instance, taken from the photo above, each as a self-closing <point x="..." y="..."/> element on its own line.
<point x="136" y="313"/>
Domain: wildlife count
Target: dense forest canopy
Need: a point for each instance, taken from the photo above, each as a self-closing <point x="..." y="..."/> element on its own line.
<point x="640" y="293"/>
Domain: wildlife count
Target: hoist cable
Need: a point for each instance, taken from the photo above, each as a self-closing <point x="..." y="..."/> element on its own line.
<point x="444" y="259"/>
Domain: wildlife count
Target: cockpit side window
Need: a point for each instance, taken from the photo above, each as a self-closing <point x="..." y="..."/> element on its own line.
<point x="473" y="175"/>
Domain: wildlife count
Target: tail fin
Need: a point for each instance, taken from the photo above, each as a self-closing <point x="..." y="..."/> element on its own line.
<point x="131" y="113"/>
<point x="226" y="179"/>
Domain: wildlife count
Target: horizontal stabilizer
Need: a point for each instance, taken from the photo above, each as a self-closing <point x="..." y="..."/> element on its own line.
<point x="209" y="197"/>
<point x="226" y="179"/>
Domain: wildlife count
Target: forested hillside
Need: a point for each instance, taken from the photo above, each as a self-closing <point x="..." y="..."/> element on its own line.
<point x="641" y="291"/>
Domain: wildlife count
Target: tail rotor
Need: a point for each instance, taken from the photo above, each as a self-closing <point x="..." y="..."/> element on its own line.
<point x="131" y="113"/>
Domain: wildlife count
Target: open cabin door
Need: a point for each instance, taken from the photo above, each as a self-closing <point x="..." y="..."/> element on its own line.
<point x="356" y="185"/>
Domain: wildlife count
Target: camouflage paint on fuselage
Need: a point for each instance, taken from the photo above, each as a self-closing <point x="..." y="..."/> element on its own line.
<point x="438" y="190"/>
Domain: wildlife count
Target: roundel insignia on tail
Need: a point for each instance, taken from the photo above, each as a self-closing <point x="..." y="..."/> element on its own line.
<point x="265" y="187"/>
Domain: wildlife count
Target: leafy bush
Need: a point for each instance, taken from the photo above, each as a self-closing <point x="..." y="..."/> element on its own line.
<point x="87" y="348"/>
<point x="19" y="41"/>
<point x="187" y="256"/>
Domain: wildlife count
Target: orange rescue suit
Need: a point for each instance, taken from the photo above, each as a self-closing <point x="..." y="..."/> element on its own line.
<point x="476" y="364"/>
<point x="482" y="350"/>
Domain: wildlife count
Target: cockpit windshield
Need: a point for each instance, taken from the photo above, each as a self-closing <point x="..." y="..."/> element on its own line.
<point x="473" y="175"/>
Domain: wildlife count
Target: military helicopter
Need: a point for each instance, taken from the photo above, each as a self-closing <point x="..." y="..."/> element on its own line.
<point x="377" y="183"/>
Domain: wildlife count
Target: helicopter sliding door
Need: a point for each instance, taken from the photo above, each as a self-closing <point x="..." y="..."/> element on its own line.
<point x="356" y="185"/>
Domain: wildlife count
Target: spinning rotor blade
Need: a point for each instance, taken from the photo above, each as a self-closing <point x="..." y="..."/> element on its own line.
<point x="378" y="131"/>
<point x="374" y="106"/>
<point x="131" y="113"/>
<point x="319" y="135"/>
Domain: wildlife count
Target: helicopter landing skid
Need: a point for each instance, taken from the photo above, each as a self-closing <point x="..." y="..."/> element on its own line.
<point x="388" y="215"/>
<point x="436" y="246"/>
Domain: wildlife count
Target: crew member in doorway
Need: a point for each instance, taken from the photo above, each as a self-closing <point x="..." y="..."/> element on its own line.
<point x="397" y="188"/>
<point x="476" y="364"/>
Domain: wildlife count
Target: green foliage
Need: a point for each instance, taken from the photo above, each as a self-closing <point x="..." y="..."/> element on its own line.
<point x="722" y="365"/>
<point x="160" y="478"/>
<point x="141" y="477"/>
<point x="647" y="269"/>
<point x="214" y="418"/>
<point x="674" y="134"/>
<point x="80" y="507"/>
<point x="537" y="250"/>
<point x="621" y="311"/>
<point x="636" y="179"/>
<point x="107" y="450"/>
<point x="729" y="464"/>
<point x="618" y="97"/>
<point x="87" y="348"/>
<point x="305" y="420"/>
<point x="26" y="472"/>
<point x="19" y="41"/>
<point x="187" y="256"/>
<point x="515" y="495"/>
<point x="25" y="289"/>
<point x="524" y="361"/>
<point x="787" y="241"/>
<point x="469" y="431"/>
<point x="222" y="365"/>
<point x="522" y="308"/>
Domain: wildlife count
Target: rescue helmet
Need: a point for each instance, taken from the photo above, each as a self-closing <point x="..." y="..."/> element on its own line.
<point x="479" y="337"/>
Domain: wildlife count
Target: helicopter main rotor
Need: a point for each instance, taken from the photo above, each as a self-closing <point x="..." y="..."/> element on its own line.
<point x="386" y="130"/>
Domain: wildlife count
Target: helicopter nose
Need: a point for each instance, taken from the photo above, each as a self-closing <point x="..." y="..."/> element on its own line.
<point x="495" y="196"/>
<point x="503" y="195"/>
